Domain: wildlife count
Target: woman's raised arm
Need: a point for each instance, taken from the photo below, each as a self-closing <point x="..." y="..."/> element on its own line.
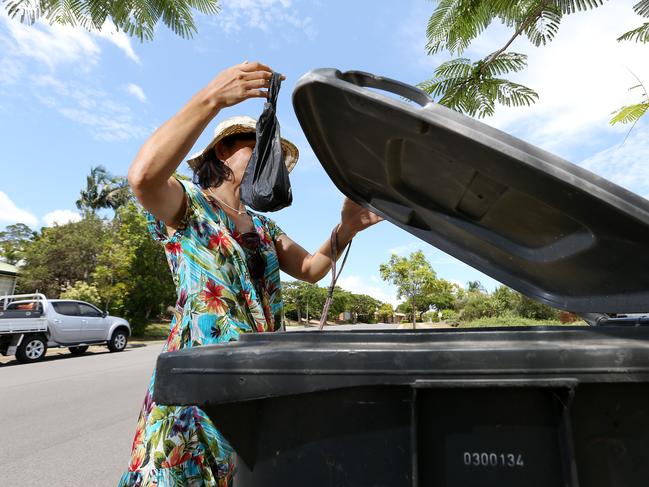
<point x="151" y="170"/>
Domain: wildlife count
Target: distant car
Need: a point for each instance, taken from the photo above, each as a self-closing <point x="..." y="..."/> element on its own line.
<point x="30" y="323"/>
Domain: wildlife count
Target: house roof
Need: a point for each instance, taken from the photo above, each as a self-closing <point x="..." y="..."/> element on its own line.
<point x="8" y="269"/>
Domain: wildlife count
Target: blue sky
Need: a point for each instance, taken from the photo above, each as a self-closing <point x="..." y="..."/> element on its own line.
<point x="70" y="100"/>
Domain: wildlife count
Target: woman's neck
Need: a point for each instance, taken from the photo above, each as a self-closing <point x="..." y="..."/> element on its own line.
<point x="229" y="194"/>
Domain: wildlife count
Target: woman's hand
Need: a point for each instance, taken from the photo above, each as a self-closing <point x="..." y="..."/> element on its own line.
<point x="355" y="218"/>
<point x="239" y="83"/>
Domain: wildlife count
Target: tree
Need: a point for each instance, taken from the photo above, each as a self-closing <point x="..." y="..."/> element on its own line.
<point x="82" y="291"/>
<point x="306" y="299"/>
<point x="363" y="307"/>
<point x="385" y="312"/>
<point x="413" y="276"/>
<point x="475" y="287"/>
<point x="136" y="18"/>
<point x="103" y="191"/>
<point x="132" y="275"/>
<point x="13" y="241"/>
<point x="62" y="255"/>
<point x="474" y="88"/>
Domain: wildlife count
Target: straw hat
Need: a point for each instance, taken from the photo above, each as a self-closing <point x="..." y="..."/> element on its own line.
<point x="241" y="125"/>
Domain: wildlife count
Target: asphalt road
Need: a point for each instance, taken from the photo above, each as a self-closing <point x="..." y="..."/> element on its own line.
<point x="69" y="421"/>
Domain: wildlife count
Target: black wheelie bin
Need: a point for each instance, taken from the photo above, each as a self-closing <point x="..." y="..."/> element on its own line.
<point x="501" y="407"/>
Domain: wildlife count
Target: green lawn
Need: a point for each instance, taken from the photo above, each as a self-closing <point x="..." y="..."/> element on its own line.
<point x="154" y="331"/>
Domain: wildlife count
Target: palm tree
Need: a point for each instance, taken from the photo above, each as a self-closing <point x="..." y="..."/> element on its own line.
<point x="103" y="191"/>
<point x="136" y="18"/>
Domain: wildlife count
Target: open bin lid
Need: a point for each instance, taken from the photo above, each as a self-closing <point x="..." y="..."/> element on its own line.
<point x="529" y="219"/>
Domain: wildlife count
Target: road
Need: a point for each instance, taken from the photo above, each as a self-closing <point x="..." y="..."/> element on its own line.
<point x="69" y="421"/>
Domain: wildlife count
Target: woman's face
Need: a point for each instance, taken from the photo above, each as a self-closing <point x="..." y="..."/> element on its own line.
<point x="236" y="157"/>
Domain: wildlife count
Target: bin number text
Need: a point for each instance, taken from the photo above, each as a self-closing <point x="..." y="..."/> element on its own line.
<point x="486" y="459"/>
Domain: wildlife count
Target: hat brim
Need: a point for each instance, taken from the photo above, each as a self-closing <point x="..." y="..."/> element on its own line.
<point x="290" y="151"/>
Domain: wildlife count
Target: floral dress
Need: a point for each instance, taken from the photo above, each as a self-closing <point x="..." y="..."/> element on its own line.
<point x="217" y="300"/>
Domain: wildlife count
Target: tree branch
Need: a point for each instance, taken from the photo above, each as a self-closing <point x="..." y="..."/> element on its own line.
<point x="524" y="25"/>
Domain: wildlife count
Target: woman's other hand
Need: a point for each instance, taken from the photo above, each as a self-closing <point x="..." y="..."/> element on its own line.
<point x="239" y="83"/>
<point x="355" y="218"/>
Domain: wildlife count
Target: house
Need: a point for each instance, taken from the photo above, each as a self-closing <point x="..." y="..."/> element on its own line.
<point x="8" y="275"/>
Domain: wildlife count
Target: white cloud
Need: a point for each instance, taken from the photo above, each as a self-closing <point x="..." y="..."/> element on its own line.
<point x="625" y="164"/>
<point x="32" y="56"/>
<point x="359" y="285"/>
<point x="407" y="249"/>
<point x="10" y="213"/>
<point x="136" y="91"/>
<point x="61" y="217"/>
<point x="57" y="44"/>
<point x="119" y="39"/>
<point x="106" y="119"/>
<point x="271" y="16"/>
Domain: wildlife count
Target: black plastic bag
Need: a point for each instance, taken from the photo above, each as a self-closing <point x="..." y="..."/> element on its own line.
<point x="266" y="185"/>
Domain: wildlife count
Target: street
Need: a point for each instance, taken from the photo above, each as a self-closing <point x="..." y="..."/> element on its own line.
<point x="69" y="421"/>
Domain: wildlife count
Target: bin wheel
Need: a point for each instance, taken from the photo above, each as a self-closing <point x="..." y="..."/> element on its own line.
<point x="78" y="350"/>
<point x="31" y="349"/>
<point x="118" y="341"/>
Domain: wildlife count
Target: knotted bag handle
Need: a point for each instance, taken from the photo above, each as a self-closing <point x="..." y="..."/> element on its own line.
<point x="334" y="276"/>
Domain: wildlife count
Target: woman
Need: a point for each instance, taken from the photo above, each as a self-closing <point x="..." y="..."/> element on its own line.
<point x="225" y="262"/>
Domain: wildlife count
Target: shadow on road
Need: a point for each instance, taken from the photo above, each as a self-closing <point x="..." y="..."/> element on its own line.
<point x="64" y="355"/>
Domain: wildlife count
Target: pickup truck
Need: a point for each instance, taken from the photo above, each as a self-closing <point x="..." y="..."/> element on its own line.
<point x="30" y="323"/>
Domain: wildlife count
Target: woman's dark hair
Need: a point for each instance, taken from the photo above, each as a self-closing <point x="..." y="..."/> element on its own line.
<point x="211" y="171"/>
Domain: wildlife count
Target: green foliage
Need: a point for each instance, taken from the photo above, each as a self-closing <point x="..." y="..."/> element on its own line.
<point x="475" y="88"/>
<point x="639" y="34"/>
<point x="476" y="305"/>
<point x="510" y="320"/>
<point x="136" y="18"/>
<point x="413" y="277"/>
<point x="132" y="274"/>
<point x="82" y="291"/>
<point x="530" y="308"/>
<point x="62" y="255"/>
<point x="363" y="307"/>
<point x="103" y="191"/>
<point x="630" y="113"/>
<point x="13" y="241"/>
<point x="385" y="312"/>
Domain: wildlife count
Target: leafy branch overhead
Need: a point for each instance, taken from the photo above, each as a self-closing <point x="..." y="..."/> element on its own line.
<point x="475" y="87"/>
<point x="633" y="113"/>
<point x="137" y="18"/>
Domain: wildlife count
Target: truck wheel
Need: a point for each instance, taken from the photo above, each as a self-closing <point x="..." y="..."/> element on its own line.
<point x="78" y="350"/>
<point x="31" y="349"/>
<point x="118" y="341"/>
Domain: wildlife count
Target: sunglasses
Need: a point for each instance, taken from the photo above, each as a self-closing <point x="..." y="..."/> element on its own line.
<point x="256" y="261"/>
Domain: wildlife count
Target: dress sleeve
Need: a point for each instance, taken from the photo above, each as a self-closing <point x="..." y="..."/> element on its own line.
<point x="273" y="230"/>
<point x="158" y="229"/>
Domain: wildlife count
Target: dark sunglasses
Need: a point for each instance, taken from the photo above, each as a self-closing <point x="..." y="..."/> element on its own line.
<point x="256" y="261"/>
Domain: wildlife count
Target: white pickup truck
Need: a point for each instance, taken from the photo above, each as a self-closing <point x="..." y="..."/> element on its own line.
<point x="30" y="323"/>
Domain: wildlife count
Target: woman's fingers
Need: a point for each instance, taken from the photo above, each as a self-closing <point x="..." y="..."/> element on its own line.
<point x="257" y="94"/>
<point x="254" y="66"/>
<point x="251" y="75"/>
<point x="257" y="83"/>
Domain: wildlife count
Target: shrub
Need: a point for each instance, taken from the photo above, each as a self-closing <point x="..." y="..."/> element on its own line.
<point x="82" y="291"/>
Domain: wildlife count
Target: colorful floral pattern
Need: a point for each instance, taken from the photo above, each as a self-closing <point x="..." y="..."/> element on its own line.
<point x="217" y="301"/>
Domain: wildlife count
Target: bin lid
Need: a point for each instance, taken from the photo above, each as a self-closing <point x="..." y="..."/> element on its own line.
<point x="531" y="220"/>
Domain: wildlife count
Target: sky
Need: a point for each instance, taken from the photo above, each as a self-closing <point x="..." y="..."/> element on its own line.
<point x="71" y="100"/>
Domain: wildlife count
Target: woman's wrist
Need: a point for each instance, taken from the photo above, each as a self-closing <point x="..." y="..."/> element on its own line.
<point x="345" y="234"/>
